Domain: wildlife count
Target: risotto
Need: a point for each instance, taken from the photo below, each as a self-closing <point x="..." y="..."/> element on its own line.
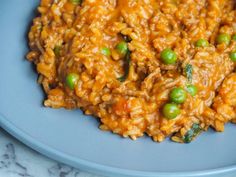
<point x="164" y="68"/>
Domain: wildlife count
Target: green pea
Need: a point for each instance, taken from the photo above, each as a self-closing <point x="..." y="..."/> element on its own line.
<point x="233" y="56"/>
<point x="234" y="37"/>
<point x="122" y="48"/>
<point x="168" y="56"/>
<point x="71" y="80"/>
<point x="170" y="111"/>
<point x="202" y="43"/>
<point x="76" y="2"/>
<point x="178" y="95"/>
<point x="105" y="51"/>
<point x="192" y="89"/>
<point x="223" y="38"/>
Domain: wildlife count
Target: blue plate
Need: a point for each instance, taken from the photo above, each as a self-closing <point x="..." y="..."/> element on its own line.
<point x="72" y="138"/>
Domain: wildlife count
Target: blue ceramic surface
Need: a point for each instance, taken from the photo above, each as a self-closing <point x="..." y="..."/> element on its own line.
<point x="73" y="138"/>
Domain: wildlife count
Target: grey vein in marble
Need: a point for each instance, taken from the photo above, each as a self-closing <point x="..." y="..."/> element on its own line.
<point x="17" y="160"/>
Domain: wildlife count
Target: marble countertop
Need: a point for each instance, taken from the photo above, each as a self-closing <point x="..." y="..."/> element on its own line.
<point x="17" y="160"/>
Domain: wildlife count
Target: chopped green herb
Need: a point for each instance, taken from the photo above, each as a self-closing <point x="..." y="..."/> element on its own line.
<point x="189" y="72"/>
<point x="57" y="50"/>
<point x="192" y="133"/>
<point x="126" y="66"/>
<point x="234" y="37"/>
<point x="76" y="2"/>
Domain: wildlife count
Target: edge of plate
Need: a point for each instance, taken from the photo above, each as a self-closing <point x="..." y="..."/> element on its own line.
<point x="94" y="167"/>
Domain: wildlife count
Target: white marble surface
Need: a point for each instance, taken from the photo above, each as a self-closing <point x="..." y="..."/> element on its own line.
<point x="17" y="160"/>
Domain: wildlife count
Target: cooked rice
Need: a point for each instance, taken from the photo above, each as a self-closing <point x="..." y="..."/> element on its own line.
<point x="133" y="108"/>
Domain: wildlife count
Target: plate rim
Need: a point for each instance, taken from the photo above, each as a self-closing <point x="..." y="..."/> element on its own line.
<point x="93" y="167"/>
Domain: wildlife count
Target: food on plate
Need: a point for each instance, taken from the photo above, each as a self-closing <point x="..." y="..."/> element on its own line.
<point x="161" y="68"/>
